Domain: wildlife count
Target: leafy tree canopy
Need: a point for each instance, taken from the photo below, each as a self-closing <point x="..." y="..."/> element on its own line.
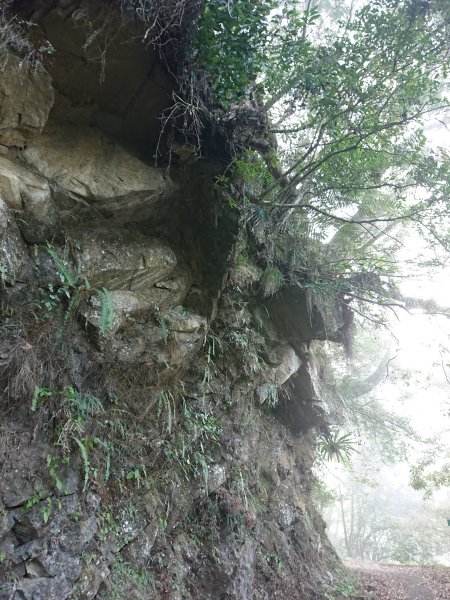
<point x="343" y="149"/>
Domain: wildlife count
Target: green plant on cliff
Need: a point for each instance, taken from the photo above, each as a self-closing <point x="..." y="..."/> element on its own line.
<point x="189" y="447"/>
<point x="229" y="45"/>
<point x="166" y="406"/>
<point x="271" y="281"/>
<point x="336" y="446"/>
<point x="271" y="398"/>
<point x="39" y="397"/>
<point x="349" y="107"/>
<point x="124" y="576"/>
<point x="78" y="420"/>
<point x="75" y="288"/>
<point x="345" y="585"/>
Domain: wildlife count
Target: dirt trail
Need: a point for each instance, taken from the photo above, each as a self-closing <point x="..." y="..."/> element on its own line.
<point x="394" y="582"/>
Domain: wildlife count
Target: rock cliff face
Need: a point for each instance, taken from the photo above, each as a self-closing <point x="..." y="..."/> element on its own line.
<point x="147" y="449"/>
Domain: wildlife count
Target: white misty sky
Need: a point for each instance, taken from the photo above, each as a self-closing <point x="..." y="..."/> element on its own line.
<point x="423" y="339"/>
<point x="421" y="351"/>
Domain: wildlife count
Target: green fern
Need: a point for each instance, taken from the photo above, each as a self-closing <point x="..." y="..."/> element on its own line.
<point x="271" y="281"/>
<point x="107" y="310"/>
<point x="66" y="276"/>
<point x="39" y="396"/>
<point x="107" y="451"/>
<point x="271" y="398"/>
<point x="164" y="330"/>
<point x="77" y="288"/>
<point x="166" y="404"/>
<point x="82" y="405"/>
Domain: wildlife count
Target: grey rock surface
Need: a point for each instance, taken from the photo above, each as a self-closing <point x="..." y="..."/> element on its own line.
<point x="95" y="177"/>
<point x="26" y="97"/>
<point x="15" y="263"/>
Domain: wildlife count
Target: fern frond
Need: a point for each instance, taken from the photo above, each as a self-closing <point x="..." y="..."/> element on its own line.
<point x="107" y="310"/>
<point x="271" y="281"/>
<point x="165" y="332"/>
<point x="66" y="275"/>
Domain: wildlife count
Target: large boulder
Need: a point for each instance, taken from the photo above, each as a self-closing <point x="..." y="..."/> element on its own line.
<point x="95" y="178"/>
<point x="26" y="97"/>
<point x="300" y="405"/>
<point x="170" y="340"/>
<point x="130" y="306"/>
<point x="284" y="362"/>
<point x="301" y="316"/>
<point x="122" y="258"/>
<point x="30" y="198"/>
<point x="142" y="278"/>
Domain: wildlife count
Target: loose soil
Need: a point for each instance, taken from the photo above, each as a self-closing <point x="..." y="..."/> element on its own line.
<point x="394" y="582"/>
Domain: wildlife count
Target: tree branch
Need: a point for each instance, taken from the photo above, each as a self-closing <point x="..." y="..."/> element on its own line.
<point x="346" y="220"/>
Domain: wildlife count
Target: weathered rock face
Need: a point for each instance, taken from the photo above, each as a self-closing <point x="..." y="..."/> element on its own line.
<point x="123" y="93"/>
<point x="26" y="97"/>
<point x="301" y="320"/>
<point x="141" y="451"/>
<point x="301" y="407"/>
<point x="30" y="198"/>
<point x="94" y="177"/>
<point x="15" y="263"/>
<point x="16" y="181"/>
<point x="122" y="259"/>
<point x="284" y="362"/>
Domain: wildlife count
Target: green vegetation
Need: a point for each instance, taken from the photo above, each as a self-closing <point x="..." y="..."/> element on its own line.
<point x="349" y="106"/>
<point x="125" y="577"/>
<point x="76" y="417"/>
<point x="229" y="46"/>
<point x="109" y="524"/>
<point x="188" y="448"/>
<point x="39" y="397"/>
<point x="431" y="472"/>
<point x="166" y="406"/>
<point x="137" y="475"/>
<point x="336" y="446"/>
<point x="346" y="586"/>
<point x="76" y="289"/>
<point x="35" y="499"/>
<point x="272" y="396"/>
<point x="337" y="175"/>
<point x="330" y="171"/>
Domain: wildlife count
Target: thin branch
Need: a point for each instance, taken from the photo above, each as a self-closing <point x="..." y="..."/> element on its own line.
<point x="346" y="220"/>
<point x="443" y="367"/>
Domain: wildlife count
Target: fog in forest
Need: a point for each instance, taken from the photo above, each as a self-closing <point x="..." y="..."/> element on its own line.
<point x="385" y="498"/>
